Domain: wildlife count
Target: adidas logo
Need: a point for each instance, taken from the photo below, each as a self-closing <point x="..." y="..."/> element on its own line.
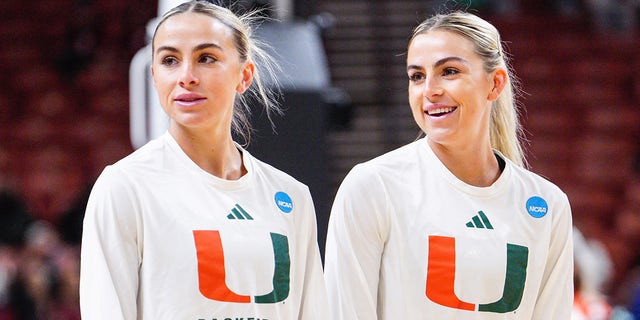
<point x="239" y="213"/>
<point x="480" y="221"/>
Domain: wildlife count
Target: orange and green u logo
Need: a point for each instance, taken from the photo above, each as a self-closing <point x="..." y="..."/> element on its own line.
<point x="442" y="270"/>
<point x="212" y="274"/>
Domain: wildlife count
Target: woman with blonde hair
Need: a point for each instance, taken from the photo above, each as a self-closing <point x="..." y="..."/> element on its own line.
<point x="192" y="226"/>
<point x="452" y="226"/>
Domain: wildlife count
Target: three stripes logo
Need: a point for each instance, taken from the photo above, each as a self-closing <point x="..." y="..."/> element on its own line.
<point x="480" y="221"/>
<point x="239" y="213"/>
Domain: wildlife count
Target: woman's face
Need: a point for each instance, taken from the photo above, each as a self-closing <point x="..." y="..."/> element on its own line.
<point x="197" y="71"/>
<point x="450" y="93"/>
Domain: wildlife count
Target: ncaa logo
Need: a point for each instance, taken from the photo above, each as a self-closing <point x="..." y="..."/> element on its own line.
<point x="283" y="201"/>
<point x="537" y="207"/>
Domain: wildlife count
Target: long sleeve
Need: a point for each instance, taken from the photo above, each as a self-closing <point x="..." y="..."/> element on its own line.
<point x="555" y="298"/>
<point x="110" y="257"/>
<point x="314" y="303"/>
<point x="355" y="243"/>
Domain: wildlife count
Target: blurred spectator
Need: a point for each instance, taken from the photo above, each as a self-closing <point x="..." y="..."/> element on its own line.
<point x="70" y="226"/>
<point x="48" y="276"/>
<point x="8" y="269"/>
<point x="628" y="226"/>
<point x="592" y="269"/>
<point x="14" y="219"/>
<point x="14" y="222"/>
<point x="39" y="274"/>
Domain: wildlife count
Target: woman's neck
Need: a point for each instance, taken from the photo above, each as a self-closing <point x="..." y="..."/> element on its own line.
<point x="215" y="153"/>
<point x="474" y="164"/>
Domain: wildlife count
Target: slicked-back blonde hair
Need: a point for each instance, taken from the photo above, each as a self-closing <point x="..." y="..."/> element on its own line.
<point x="506" y="132"/>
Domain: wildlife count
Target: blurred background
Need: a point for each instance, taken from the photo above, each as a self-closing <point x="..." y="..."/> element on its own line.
<point x="64" y="116"/>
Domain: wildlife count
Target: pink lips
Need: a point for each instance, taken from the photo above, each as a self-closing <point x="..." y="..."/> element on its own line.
<point x="189" y="99"/>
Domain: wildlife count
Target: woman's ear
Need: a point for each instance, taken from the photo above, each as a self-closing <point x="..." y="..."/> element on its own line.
<point x="499" y="82"/>
<point x="247" y="77"/>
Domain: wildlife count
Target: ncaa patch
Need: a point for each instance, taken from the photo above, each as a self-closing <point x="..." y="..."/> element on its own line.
<point x="537" y="207"/>
<point x="283" y="201"/>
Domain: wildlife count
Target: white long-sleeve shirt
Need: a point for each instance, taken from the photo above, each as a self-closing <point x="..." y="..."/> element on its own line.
<point x="163" y="239"/>
<point x="408" y="240"/>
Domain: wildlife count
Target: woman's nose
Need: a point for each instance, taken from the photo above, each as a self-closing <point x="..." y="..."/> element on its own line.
<point x="188" y="76"/>
<point x="432" y="88"/>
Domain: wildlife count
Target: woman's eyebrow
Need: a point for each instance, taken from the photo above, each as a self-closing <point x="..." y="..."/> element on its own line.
<point x="196" y="48"/>
<point x="207" y="46"/>
<point x="447" y="59"/>
<point x="437" y="63"/>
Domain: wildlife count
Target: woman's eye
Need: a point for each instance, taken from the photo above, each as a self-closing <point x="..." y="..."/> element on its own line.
<point x="169" y="61"/>
<point x="449" y="72"/>
<point x="207" y="59"/>
<point x="415" y="77"/>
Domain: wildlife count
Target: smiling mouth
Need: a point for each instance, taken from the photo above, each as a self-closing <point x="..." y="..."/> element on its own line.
<point x="439" y="112"/>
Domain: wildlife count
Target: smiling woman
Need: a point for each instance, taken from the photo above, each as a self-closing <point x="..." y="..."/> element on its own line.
<point x="451" y="94"/>
<point x="191" y="225"/>
<point x="452" y="226"/>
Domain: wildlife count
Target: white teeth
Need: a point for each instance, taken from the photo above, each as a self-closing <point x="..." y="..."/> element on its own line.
<point x="439" y="111"/>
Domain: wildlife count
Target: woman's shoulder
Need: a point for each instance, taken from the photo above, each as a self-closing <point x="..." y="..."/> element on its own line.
<point x="399" y="157"/>
<point x="133" y="166"/>
<point x="270" y="172"/>
<point x="538" y="182"/>
<point x="145" y="154"/>
<point x="394" y="164"/>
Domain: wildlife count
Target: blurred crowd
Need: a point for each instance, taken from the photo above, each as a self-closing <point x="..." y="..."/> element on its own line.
<point x="63" y="117"/>
<point x="39" y="272"/>
<point x="607" y="283"/>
